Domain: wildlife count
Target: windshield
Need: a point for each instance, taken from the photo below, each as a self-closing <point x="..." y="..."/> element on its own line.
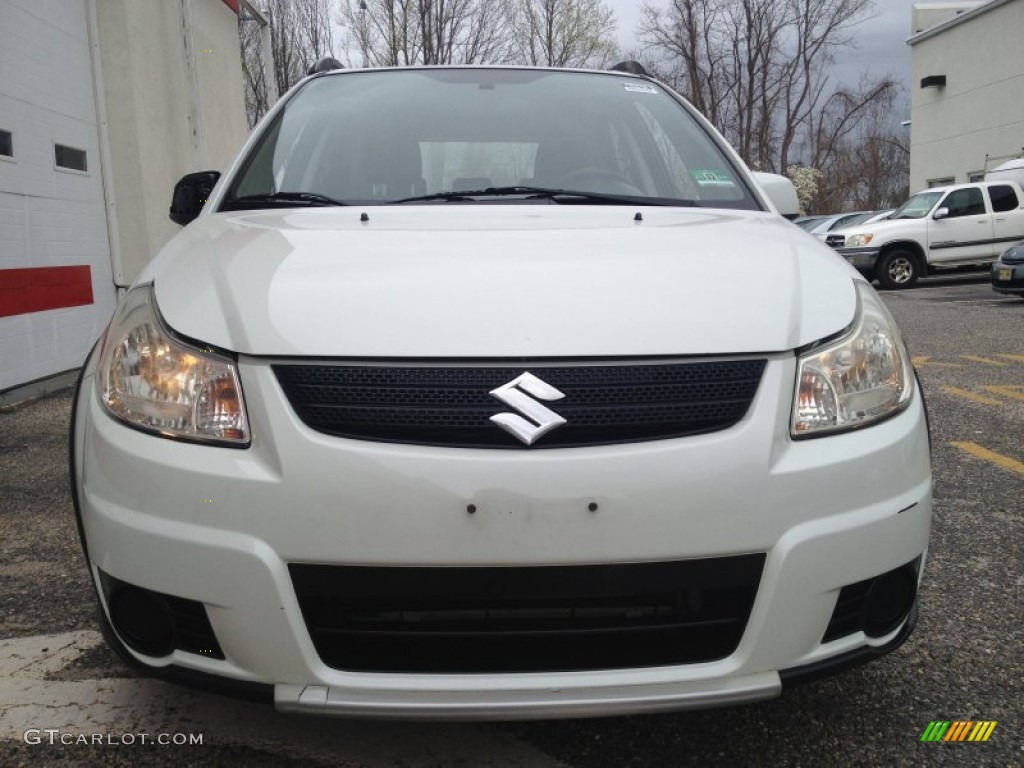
<point x="381" y="136"/>
<point x="917" y="207"/>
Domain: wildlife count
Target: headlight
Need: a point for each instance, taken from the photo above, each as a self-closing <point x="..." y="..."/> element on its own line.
<point x="155" y="382"/>
<point x="862" y="378"/>
<point x="855" y="241"/>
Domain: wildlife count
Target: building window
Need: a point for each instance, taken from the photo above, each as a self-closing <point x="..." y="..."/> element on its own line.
<point x="69" y="157"/>
<point x="6" y="144"/>
<point x="975" y="176"/>
<point x="940" y="182"/>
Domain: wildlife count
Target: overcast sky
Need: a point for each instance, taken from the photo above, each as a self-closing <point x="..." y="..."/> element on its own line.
<point x="880" y="41"/>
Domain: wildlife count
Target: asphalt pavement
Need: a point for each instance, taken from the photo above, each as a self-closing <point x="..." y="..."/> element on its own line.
<point x="965" y="661"/>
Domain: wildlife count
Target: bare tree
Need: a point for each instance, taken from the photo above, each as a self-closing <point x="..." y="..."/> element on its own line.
<point x="761" y="71"/>
<point x="729" y="58"/>
<point x="411" y="32"/>
<point x="865" y="163"/>
<point x="819" y="28"/>
<point x="301" y="33"/>
<point x="382" y="30"/>
<point x="407" y="32"/>
<point x="561" y="33"/>
<point x="687" y="36"/>
<point x="316" y="28"/>
<point x="253" y="71"/>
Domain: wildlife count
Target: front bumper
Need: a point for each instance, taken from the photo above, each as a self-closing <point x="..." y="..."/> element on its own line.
<point x="861" y="258"/>
<point x="573" y="702"/>
<point x="221" y="526"/>
<point x="1008" y="278"/>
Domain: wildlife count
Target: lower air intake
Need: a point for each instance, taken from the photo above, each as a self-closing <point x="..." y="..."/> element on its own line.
<point x="527" y="619"/>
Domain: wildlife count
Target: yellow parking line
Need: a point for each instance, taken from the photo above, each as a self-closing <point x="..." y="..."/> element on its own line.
<point x="985" y="360"/>
<point x="1017" y="358"/>
<point x="990" y="456"/>
<point x="926" y="360"/>
<point x="1016" y="393"/>
<point x="974" y="397"/>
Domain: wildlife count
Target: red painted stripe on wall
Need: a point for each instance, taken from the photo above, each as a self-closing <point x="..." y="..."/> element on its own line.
<point x="232" y="4"/>
<point x="40" y="288"/>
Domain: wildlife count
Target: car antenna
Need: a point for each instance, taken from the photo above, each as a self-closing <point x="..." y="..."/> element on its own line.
<point x="631" y="67"/>
<point x="326" y="64"/>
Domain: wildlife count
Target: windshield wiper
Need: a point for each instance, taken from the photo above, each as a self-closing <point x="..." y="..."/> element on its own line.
<point x="562" y="196"/>
<point x="278" y="200"/>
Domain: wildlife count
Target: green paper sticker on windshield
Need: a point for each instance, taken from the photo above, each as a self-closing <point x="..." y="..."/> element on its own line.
<point x="712" y="178"/>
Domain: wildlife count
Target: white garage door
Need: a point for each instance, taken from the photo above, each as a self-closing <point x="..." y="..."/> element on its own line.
<point x="56" y="288"/>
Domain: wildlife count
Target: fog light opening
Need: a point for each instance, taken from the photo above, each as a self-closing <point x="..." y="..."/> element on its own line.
<point x="142" y="620"/>
<point x="890" y="601"/>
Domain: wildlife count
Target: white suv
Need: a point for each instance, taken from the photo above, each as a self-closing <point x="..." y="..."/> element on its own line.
<point x="498" y="392"/>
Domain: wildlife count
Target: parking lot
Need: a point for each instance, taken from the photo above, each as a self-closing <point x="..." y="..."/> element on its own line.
<point x="965" y="661"/>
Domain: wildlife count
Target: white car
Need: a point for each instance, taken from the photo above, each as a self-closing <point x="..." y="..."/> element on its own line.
<point x="821" y="229"/>
<point x="494" y="393"/>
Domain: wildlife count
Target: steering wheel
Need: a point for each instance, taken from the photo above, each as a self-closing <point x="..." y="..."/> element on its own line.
<point x="593" y="179"/>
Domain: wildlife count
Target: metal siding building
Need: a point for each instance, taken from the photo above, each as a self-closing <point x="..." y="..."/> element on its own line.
<point x="967" y="90"/>
<point x="104" y="104"/>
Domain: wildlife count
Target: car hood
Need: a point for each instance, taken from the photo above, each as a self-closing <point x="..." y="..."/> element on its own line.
<point x="499" y="281"/>
<point x="885" y="229"/>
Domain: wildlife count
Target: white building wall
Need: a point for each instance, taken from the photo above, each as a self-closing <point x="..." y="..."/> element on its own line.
<point x="926" y="15"/>
<point x="980" y="111"/>
<point x="221" y="94"/>
<point x="49" y="217"/>
<point x="174" y="104"/>
<point x="150" y="90"/>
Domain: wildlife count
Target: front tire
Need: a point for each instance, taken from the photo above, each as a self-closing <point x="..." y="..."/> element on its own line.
<point x="897" y="269"/>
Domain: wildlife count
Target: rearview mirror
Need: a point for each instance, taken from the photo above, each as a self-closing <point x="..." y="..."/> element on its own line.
<point x="940" y="214"/>
<point x="190" y="195"/>
<point x="781" y="192"/>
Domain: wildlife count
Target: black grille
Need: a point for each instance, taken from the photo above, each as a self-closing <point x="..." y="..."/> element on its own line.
<point x="848" y="615"/>
<point x="185" y="621"/>
<point x="835" y="241"/>
<point x="532" y="619"/>
<point x="603" y="404"/>
<point x="874" y="606"/>
<point x="193" y="632"/>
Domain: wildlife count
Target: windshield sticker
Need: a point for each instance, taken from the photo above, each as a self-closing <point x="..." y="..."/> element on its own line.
<point x="640" y="88"/>
<point x="712" y="178"/>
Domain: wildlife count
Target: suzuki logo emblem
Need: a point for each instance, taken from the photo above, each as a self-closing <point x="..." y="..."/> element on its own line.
<point x="517" y="394"/>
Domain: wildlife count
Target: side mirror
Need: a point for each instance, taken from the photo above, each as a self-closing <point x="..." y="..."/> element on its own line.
<point x="190" y="194"/>
<point x="781" y="192"/>
<point x="940" y="214"/>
